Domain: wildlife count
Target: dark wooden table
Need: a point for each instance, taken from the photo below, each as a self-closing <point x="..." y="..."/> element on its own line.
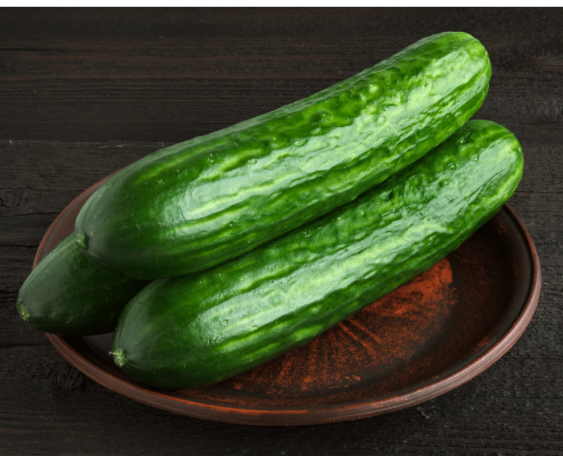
<point x="84" y="92"/>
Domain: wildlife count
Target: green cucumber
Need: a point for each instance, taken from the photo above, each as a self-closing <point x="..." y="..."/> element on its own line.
<point x="205" y="327"/>
<point x="196" y="204"/>
<point x="68" y="295"/>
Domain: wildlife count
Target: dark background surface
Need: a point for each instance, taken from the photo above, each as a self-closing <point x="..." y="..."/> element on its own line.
<point x="84" y="92"/>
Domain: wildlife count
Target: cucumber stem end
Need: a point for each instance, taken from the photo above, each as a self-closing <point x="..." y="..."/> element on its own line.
<point x="82" y="241"/>
<point x="22" y="310"/>
<point x="119" y="357"/>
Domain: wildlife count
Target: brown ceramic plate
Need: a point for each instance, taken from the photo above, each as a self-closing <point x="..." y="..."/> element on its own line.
<point x="431" y="335"/>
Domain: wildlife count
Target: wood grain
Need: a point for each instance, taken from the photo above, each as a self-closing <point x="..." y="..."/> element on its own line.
<point x="85" y="92"/>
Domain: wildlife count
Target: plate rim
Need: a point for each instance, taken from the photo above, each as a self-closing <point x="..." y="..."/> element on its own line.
<point x="399" y="399"/>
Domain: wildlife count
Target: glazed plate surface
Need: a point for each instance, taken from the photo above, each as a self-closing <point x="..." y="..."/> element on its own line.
<point x="429" y="336"/>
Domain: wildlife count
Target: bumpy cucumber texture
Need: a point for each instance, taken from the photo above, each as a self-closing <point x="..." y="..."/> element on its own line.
<point x="208" y="326"/>
<point x="196" y="204"/>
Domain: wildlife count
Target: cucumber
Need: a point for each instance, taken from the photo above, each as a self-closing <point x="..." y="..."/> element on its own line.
<point x="68" y="295"/>
<point x="205" y="327"/>
<point x="196" y="204"/>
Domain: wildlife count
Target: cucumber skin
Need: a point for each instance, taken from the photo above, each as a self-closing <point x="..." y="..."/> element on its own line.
<point x="199" y="203"/>
<point x="68" y="295"/>
<point x="202" y="328"/>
